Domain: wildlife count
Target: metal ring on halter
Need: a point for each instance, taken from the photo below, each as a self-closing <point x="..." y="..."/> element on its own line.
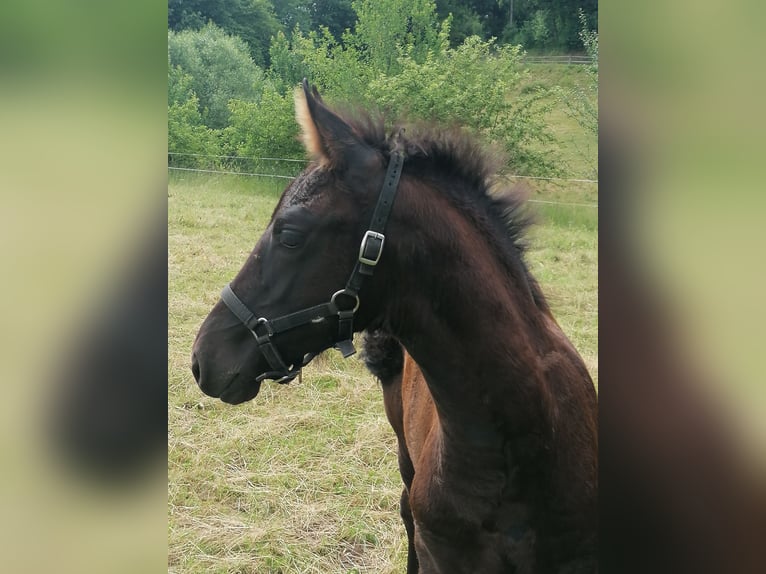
<point x="347" y="293"/>
<point x="269" y="330"/>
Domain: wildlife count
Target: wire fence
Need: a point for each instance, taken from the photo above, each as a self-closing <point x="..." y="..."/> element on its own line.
<point x="285" y="159"/>
<point x="275" y="167"/>
<point x="574" y="203"/>
<point x="229" y="167"/>
<point x="570" y="179"/>
<point x="564" y="59"/>
<point x="172" y="168"/>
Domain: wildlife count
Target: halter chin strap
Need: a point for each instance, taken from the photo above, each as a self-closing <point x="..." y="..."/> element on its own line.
<point x="343" y="303"/>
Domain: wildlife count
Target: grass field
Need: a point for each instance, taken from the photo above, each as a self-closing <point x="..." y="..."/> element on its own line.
<point x="303" y="479"/>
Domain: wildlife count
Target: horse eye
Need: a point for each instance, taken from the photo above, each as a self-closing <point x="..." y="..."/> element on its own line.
<point x="291" y="238"/>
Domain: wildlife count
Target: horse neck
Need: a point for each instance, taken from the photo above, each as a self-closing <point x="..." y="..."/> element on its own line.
<point x="493" y="358"/>
<point x="516" y="408"/>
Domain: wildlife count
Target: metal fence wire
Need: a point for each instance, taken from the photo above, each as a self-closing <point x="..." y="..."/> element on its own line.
<point x="290" y="167"/>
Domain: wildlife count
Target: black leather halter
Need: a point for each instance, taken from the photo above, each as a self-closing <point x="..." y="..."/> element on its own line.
<point x="343" y="303"/>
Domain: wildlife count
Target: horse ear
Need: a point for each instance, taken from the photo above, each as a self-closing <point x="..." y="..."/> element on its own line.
<point x="327" y="137"/>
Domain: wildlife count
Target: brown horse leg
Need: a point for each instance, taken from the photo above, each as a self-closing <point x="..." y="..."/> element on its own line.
<point x="409" y="526"/>
<point x="385" y="358"/>
<point x="408" y="474"/>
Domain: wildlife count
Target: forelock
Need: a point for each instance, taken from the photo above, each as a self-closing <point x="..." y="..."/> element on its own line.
<point x="304" y="187"/>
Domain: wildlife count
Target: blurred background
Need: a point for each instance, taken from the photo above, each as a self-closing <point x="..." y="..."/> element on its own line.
<point x="682" y="394"/>
<point x="82" y="253"/>
<point x="682" y="137"/>
<point x="83" y="127"/>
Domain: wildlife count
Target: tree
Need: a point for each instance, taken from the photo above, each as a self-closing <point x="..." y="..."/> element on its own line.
<point x="386" y="28"/>
<point x="335" y="15"/>
<point x="292" y="13"/>
<point x="220" y="69"/>
<point x="483" y="18"/>
<point x="252" y="20"/>
<point x="180" y="88"/>
<point x="549" y="24"/>
<point x="465" y="21"/>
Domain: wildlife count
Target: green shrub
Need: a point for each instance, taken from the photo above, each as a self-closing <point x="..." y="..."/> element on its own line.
<point x="188" y="135"/>
<point x="385" y="28"/>
<point x="220" y="68"/>
<point x="469" y="86"/>
<point x="336" y="68"/>
<point x="287" y="65"/>
<point x="264" y="129"/>
<point x="179" y="85"/>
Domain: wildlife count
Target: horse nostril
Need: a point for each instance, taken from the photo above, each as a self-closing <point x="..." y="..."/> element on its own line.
<point x="195" y="367"/>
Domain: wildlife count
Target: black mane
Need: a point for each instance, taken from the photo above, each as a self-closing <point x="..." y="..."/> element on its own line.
<point x="456" y="156"/>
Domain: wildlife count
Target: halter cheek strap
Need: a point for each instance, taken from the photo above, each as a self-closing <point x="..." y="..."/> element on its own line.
<point x="343" y="303"/>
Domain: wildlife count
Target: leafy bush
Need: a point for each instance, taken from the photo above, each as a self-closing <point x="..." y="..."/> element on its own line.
<point x="189" y="136"/>
<point x="386" y="27"/>
<point x="408" y="68"/>
<point x="287" y="65"/>
<point x="220" y="68"/>
<point x="384" y="31"/>
<point x="264" y="129"/>
<point x="469" y="86"/>
<point x="337" y="69"/>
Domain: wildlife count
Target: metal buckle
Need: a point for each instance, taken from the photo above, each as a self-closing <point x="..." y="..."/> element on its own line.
<point x="260" y="339"/>
<point x="337" y="310"/>
<point x="369" y="234"/>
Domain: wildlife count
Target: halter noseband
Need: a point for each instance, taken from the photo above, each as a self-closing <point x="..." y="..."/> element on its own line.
<point x="343" y="303"/>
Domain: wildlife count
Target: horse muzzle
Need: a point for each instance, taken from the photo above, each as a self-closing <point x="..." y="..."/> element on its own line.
<point x="231" y="387"/>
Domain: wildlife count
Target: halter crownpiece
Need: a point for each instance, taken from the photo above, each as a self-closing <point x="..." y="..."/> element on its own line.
<point x="344" y="303"/>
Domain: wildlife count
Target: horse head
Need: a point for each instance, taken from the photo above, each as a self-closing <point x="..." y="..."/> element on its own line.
<point x="300" y="290"/>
